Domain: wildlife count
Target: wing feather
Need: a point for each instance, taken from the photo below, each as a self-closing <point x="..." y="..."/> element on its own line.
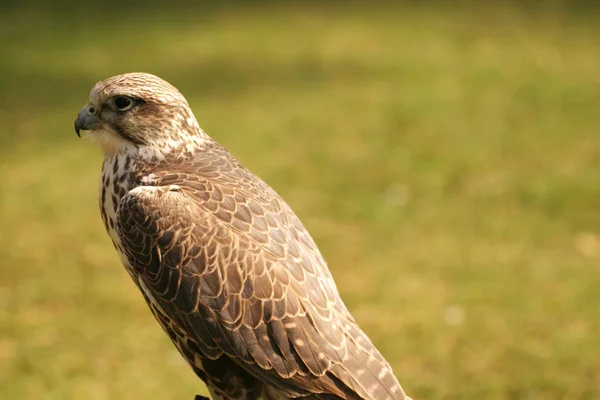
<point x="229" y="263"/>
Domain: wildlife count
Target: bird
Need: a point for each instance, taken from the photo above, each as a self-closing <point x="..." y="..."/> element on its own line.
<point x="224" y="264"/>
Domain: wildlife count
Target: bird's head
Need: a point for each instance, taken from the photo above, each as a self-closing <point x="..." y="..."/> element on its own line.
<point x="139" y="111"/>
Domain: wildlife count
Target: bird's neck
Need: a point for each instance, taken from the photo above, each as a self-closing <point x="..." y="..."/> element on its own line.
<point x="131" y="166"/>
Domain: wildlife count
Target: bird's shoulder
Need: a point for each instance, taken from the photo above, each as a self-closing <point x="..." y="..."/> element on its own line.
<point x="212" y="176"/>
<point x="214" y="187"/>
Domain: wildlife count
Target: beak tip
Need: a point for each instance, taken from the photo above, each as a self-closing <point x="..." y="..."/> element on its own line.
<point x="77" y="130"/>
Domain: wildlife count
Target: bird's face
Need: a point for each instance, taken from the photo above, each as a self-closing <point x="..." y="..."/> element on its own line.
<point x="137" y="110"/>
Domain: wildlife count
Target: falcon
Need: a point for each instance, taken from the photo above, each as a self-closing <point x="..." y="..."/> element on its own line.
<point x="226" y="267"/>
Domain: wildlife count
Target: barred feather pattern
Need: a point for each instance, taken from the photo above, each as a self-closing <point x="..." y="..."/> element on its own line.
<point x="235" y="280"/>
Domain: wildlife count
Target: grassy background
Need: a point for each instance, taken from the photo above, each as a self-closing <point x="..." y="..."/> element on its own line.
<point x="445" y="160"/>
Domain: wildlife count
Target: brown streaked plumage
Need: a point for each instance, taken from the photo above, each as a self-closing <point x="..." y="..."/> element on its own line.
<point x="227" y="268"/>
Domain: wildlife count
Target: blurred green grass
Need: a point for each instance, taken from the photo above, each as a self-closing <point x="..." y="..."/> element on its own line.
<point x="445" y="160"/>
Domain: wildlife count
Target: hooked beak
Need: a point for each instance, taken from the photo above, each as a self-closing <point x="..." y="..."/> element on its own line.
<point x="87" y="119"/>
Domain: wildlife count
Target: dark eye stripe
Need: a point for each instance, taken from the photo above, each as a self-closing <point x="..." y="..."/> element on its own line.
<point x="119" y="129"/>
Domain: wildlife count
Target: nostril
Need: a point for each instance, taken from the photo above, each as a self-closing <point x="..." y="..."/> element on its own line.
<point x="92" y="110"/>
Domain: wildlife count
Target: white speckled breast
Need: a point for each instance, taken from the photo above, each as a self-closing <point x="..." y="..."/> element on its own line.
<point x="116" y="180"/>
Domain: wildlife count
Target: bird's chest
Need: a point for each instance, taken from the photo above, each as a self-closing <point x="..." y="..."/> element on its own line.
<point x="116" y="180"/>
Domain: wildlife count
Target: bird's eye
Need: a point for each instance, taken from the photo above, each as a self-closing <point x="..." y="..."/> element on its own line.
<point x="122" y="103"/>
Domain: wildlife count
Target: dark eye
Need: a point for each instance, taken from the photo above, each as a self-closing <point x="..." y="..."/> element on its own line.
<point x="122" y="103"/>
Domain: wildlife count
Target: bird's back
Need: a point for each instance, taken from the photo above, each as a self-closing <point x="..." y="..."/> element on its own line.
<point x="278" y="306"/>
